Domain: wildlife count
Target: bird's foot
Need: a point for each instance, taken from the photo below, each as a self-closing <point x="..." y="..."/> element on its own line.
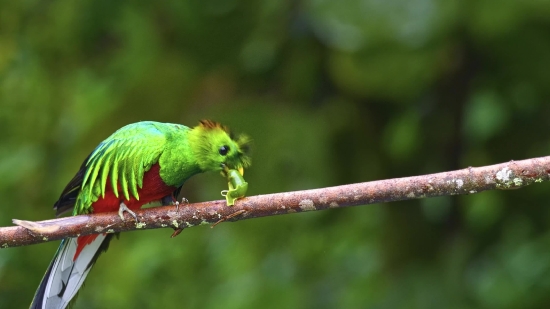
<point x="123" y="208"/>
<point x="183" y="201"/>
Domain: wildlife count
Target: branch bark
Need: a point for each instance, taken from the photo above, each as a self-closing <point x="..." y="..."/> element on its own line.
<point x="510" y="175"/>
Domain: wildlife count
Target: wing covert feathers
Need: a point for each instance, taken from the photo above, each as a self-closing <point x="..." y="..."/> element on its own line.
<point x="123" y="157"/>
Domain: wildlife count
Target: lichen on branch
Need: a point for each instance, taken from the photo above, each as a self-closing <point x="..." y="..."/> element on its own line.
<point x="471" y="180"/>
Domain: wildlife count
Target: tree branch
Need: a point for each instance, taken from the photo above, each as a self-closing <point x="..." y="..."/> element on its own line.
<point x="510" y="175"/>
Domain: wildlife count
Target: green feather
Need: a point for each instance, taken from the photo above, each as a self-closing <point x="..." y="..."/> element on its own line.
<point x="141" y="171"/>
<point x="114" y="177"/>
<point x="126" y="155"/>
<point x="105" y="172"/>
<point x="123" y="180"/>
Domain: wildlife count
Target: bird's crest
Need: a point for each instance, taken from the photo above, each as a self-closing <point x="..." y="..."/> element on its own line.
<point x="210" y="125"/>
<point x="242" y="140"/>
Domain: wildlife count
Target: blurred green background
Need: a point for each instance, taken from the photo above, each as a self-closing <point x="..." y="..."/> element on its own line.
<point x="332" y="92"/>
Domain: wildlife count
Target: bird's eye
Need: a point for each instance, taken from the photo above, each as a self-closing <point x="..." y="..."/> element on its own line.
<point x="224" y="150"/>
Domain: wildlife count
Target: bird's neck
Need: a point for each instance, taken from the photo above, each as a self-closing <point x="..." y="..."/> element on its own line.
<point x="178" y="162"/>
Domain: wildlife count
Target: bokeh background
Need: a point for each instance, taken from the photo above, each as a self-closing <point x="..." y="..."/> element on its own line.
<point x="332" y="92"/>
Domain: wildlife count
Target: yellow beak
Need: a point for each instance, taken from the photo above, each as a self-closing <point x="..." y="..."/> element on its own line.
<point x="241" y="171"/>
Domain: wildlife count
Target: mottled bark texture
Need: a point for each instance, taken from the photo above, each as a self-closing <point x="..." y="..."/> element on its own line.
<point x="510" y="175"/>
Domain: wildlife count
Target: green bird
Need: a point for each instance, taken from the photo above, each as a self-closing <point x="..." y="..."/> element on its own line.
<point x="138" y="164"/>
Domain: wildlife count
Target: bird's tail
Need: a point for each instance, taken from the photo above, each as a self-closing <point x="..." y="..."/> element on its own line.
<point x="68" y="270"/>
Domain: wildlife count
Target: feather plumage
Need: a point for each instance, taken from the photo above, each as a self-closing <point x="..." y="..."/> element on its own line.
<point x="140" y="163"/>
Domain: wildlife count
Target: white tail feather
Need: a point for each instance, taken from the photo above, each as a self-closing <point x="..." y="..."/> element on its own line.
<point x="67" y="275"/>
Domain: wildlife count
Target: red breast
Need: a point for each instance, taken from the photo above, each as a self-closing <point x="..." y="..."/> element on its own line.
<point x="153" y="189"/>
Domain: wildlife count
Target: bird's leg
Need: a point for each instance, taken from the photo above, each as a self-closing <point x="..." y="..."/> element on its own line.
<point x="168" y="200"/>
<point x="123" y="208"/>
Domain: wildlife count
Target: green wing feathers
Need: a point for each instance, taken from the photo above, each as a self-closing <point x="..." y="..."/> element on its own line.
<point x="123" y="158"/>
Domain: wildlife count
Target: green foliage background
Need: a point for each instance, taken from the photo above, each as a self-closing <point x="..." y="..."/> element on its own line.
<point x="332" y="92"/>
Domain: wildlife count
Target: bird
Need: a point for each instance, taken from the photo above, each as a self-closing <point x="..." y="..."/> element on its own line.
<point x="140" y="163"/>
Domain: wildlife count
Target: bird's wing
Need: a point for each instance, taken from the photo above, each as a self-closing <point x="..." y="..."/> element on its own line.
<point x="123" y="158"/>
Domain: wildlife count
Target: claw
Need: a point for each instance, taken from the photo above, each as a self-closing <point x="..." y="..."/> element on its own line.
<point x="123" y="208"/>
<point x="183" y="201"/>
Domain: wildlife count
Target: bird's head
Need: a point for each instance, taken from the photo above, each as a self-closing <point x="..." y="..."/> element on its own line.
<point x="217" y="149"/>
